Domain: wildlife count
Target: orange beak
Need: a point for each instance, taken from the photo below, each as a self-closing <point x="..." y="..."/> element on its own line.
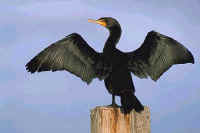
<point x="101" y="22"/>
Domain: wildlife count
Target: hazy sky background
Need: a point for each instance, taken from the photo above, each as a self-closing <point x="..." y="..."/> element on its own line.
<point x="60" y="102"/>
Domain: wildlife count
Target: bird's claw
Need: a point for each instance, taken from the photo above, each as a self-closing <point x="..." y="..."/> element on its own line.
<point x="114" y="105"/>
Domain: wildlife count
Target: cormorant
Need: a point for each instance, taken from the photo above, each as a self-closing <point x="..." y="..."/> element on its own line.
<point x="155" y="56"/>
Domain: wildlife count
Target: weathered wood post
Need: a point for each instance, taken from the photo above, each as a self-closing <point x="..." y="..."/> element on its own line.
<point x="111" y="120"/>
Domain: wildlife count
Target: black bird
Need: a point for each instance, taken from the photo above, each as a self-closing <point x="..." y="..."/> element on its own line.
<point x="72" y="53"/>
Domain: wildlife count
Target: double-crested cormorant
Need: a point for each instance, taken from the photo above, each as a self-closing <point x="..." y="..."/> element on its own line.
<point x="72" y="53"/>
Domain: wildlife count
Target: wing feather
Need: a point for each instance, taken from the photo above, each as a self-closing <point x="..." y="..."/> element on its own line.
<point x="156" y="55"/>
<point x="71" y="53"/>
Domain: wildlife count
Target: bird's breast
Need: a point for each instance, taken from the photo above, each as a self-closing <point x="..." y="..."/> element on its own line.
<point x="116" y="58"/>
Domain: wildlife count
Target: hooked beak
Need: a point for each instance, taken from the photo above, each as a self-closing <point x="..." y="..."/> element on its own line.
<point x="101" y="22"/>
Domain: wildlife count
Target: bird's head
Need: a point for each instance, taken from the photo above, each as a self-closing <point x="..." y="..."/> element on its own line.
<point x="107" y="22"/>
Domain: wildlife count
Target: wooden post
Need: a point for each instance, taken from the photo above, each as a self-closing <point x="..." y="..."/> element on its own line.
<point x="111" y="120"/>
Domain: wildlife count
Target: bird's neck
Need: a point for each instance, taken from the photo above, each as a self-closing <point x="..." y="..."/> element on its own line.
<point x="113" y="38"/>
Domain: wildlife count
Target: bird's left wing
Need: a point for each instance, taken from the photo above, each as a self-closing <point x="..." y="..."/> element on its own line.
<point x="156" y="55"/>
<point x="73" y="54"/>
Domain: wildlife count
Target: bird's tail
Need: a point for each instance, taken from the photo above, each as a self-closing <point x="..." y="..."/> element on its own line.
<point x="129" y="101"/>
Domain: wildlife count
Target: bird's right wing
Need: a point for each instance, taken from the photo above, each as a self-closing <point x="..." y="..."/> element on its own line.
<point x="73" y="54"/>
<point x="156" y="55"/>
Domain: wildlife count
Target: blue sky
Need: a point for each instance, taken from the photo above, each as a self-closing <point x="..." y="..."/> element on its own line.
<point x="60" y="102"/>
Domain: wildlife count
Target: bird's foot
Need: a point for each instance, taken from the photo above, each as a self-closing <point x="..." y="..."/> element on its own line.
<point x="114" y="105"/>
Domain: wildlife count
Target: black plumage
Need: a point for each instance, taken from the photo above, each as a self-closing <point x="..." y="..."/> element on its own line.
<point x="155" y="56"/>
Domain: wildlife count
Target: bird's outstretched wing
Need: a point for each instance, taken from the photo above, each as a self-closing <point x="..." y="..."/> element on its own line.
<point x="73" y="54"/>
<point x="156" y="55"/>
